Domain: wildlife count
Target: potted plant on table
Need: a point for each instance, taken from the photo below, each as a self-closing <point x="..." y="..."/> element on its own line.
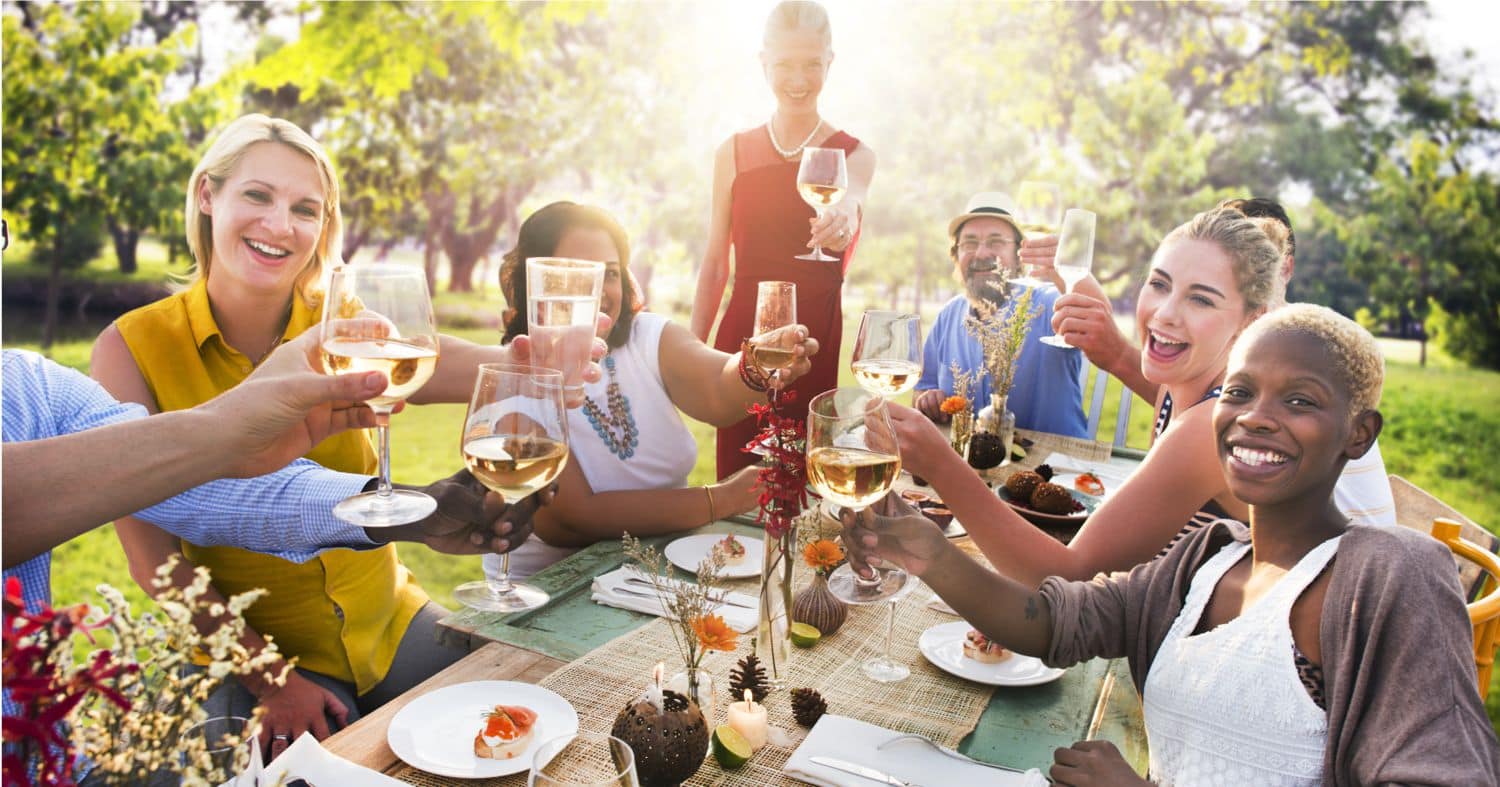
<point x="1001" y="333"/>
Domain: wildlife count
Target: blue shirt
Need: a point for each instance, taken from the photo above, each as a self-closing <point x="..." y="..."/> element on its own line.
<point x="288" y="513"/>
<point x="1047" y="392"/>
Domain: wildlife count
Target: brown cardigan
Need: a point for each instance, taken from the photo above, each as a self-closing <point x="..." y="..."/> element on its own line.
<point x="1398" y="658"/>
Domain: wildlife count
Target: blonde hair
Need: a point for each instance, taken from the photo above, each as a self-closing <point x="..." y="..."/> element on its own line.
<point x="221" y="159"/>
<point x="1254" y="257"/>
<point x="1357" y="361"/>
<point x="792" y="15"/>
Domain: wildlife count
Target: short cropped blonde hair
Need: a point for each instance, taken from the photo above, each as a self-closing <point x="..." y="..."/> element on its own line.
<point x="1255" y="258"/>
<point x="221" y="159"/>
<point x="792" y="15"/>
<point x="1357" y="361"/>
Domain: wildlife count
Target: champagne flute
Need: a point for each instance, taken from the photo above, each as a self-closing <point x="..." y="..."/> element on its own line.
<point x="772" y="348"/>
<point x="379" y="318"/>
<point x="852" y="460"/>
<point x="583" y="759"/>
<point x="515" y="442"/>
<point x="888" y="353"/>
<point x="562" y="309"/>
<point x="1075" y="255"/>
<point x="1039" y="204"/>
<point x="822" y="180"/>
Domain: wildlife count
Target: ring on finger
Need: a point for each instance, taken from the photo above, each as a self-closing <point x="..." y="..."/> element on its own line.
<point x="281" y="737"/>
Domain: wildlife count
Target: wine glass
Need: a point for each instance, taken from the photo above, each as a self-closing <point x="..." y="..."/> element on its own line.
<point x="583" y="759"/>
<point x="1075" y="255"/>
<point x="1039" y="205"/>
<point x="562" y="309"/>
<point x="852" y="460"/>
<point x="515" y="442"/>
<point x="378" y="317"/>
<point x="822" y="180"/>
<point x="771" y="348"/>
<point x="888" y="353"/>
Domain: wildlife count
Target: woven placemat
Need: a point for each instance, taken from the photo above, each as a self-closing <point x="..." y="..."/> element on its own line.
<point x="930" y="702"/>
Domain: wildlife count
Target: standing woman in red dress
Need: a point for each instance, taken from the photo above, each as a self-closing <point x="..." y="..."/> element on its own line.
<point x="756" y="210"/>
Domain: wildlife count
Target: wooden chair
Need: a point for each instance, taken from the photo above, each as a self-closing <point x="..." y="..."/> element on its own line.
<point x="1096" y="404"/>
<point x="1484" y="612"/>
<point x="1417" y="509"/>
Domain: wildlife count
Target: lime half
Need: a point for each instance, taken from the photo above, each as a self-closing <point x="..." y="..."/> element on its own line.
<point x="730" y="747"/>
<point x="805" y="635"/>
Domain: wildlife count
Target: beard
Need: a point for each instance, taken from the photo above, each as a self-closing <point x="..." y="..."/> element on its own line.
<point x="982" y="288"/>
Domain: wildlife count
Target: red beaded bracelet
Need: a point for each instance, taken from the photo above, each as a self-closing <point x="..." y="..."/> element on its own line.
<point x="750" y="374"/>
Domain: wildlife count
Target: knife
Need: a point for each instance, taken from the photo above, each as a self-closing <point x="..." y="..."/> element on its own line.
<point x="860" y="770"/>
<point x="717" y="598"/>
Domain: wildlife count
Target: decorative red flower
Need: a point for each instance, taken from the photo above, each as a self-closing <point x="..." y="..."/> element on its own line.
<point x="783" y="478"/>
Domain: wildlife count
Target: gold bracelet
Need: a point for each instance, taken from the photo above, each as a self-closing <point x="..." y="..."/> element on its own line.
<point x="710" y="490"/>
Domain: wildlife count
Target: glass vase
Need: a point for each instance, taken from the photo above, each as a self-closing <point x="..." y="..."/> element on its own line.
<point x="698" y="686"/>
<point x="773" y="636"/>
<point x="962" y="432"/>
<point x="998" y="420"/>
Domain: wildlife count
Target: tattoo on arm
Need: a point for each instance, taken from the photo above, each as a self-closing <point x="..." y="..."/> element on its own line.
<point x="1031" y="608"/>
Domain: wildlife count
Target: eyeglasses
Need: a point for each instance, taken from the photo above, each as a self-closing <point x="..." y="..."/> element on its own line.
<point x="995" y="245"/>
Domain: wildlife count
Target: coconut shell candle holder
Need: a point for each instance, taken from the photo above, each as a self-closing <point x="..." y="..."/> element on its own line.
<point x="669" y="740"/>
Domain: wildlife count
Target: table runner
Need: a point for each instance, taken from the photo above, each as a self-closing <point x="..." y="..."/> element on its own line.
<point x="930" y="702"/>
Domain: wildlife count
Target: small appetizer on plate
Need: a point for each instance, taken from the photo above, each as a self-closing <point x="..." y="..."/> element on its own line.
<point x="981" y="649"/>
<point x="506" y="732"/>
<point x="1089" y="484"/>
<point x="732" y="550"/>
<point x="914" y="497"/>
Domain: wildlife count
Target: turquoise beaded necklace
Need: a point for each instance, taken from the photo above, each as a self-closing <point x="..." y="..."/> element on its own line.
<point x="619" y="417"/>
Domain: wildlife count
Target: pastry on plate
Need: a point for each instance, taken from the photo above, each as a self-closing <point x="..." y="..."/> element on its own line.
<point x="506" y="733"/>
<point x="1089" y="484"/>
<point x="983" y="650"/>
<point x="732" y="550"/>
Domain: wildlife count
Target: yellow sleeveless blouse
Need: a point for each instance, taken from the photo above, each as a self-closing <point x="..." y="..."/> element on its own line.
<point x="343" y="613"/>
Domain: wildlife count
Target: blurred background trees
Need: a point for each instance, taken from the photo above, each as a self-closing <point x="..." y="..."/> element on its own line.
<point x="450" y="121"/>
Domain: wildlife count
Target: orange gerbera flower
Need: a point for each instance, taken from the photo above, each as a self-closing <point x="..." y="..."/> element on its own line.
<point x="823" y="555"/>
<point x="954" y="405"/>
<point x="714" y="634"/>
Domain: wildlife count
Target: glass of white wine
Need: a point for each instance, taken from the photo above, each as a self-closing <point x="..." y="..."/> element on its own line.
<point x="852" y="461"/>
<point x="562" y="308"/>
<point x="822" y="180"/>
<point x="1075" y="256"/>
<point x="515" y="442"/>
<point x="379" y="318"/>
<point x="888" y="353"/>
<point x="771" y="348"/>
<point x="1039" y="204"/>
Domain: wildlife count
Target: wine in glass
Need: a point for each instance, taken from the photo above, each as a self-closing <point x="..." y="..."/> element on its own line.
<point x="379" y="318"/>
<point x="562" y="309"/>
<point x="822" y="180"/>
<point x="852" y="461"/>
<point x="888" y="353"/>
<point x="515" y="442"/>
<point x="1039" y="204"/>
<point x="771" y="348"/>
<point x="1075" y="255"/>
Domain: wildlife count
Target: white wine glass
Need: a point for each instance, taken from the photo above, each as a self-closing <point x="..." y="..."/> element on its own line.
<point x="1075" y="256"/>
<point x="1040" y="208"/>
<point x="887" y="357"/>
<point x="771" y="348"/>
<point x="562" y="308"/>
<point x="852" y="461"/>
<point x="515" y="442"/>
<point x="822" y="179"/>
<point x="378" y="317"/>
<point x="583" y="759"/>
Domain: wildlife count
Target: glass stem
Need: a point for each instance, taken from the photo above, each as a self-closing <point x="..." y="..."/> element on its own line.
<point x="890" y="630"/>
<point x="383" y="445"/>
<point x="818" y="247"/>
<point x="501" y="585"/>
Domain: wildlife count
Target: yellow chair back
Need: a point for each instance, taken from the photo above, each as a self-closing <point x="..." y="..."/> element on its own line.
<point x="1484" y="611"/>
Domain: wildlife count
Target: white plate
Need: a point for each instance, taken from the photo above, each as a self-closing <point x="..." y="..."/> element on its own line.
<point x="1067" y="479"/>
<point x="687" y="552"/>
<point x="435" y="733"/>
<point x="943" y="645"/>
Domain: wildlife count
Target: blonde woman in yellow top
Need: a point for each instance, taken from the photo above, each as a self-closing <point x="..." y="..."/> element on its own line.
<point x="263" y="221"/>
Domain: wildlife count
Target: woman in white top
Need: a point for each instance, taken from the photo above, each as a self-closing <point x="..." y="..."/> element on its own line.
<point x="630" y="451"/>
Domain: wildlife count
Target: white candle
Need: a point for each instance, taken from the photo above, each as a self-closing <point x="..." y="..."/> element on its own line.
<point x="653" y="692"/>
<point x="749" y="719"/>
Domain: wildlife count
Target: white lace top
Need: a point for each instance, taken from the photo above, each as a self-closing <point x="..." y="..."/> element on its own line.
<point x="1227" y="706"/>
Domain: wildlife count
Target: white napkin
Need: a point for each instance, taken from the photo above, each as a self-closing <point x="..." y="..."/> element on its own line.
<point x="606" y="589"/>
<point x="305" y="759"/>
<point x="855" y="741"/>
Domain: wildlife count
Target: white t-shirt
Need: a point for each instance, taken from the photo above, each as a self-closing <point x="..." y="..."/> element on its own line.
<point x="1363" y="492"/>
<point x="664" y="452"/>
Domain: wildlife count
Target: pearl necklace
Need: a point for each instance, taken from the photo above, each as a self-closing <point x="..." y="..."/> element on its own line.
<point x="771" y="132"/>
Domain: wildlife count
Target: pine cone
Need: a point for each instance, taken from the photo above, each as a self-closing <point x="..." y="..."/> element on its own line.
<point x="748" y="674"/>
<point x="807" y="706"/>
<point x="1045" y="471"/>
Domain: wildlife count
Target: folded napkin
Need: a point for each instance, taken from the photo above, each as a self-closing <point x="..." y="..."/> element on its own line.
<point x="307" y="760"/>
<point x="913" y="761"/>
<point x="608" y="590"/>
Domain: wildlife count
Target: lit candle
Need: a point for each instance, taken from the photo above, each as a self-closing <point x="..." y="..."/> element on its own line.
<point x="749" y="719"/>
<point x="653" y="692"/>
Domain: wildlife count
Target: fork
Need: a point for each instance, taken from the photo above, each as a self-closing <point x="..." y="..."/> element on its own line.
<point x="644" y="594"/>
<point x="717" y="598"/>
<point x="945" y="751"/>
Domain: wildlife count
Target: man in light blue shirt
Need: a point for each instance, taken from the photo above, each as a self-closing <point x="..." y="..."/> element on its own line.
<point x="1046" y="393"/>
<point x="74" y="457"/>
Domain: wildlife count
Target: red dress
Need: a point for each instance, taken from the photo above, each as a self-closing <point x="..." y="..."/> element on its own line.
<point x="768" y="228"/>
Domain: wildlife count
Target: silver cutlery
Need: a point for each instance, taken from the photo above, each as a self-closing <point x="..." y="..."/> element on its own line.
<point x="945" y="751"/>
<point x="860" y="770"/>
<point x="717" y="598"/>
<point x="653" y="595"/>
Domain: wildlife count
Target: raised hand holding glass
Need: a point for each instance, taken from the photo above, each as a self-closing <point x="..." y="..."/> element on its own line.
<point x="1075" y="256"/>
<point x="822" y="179"/>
